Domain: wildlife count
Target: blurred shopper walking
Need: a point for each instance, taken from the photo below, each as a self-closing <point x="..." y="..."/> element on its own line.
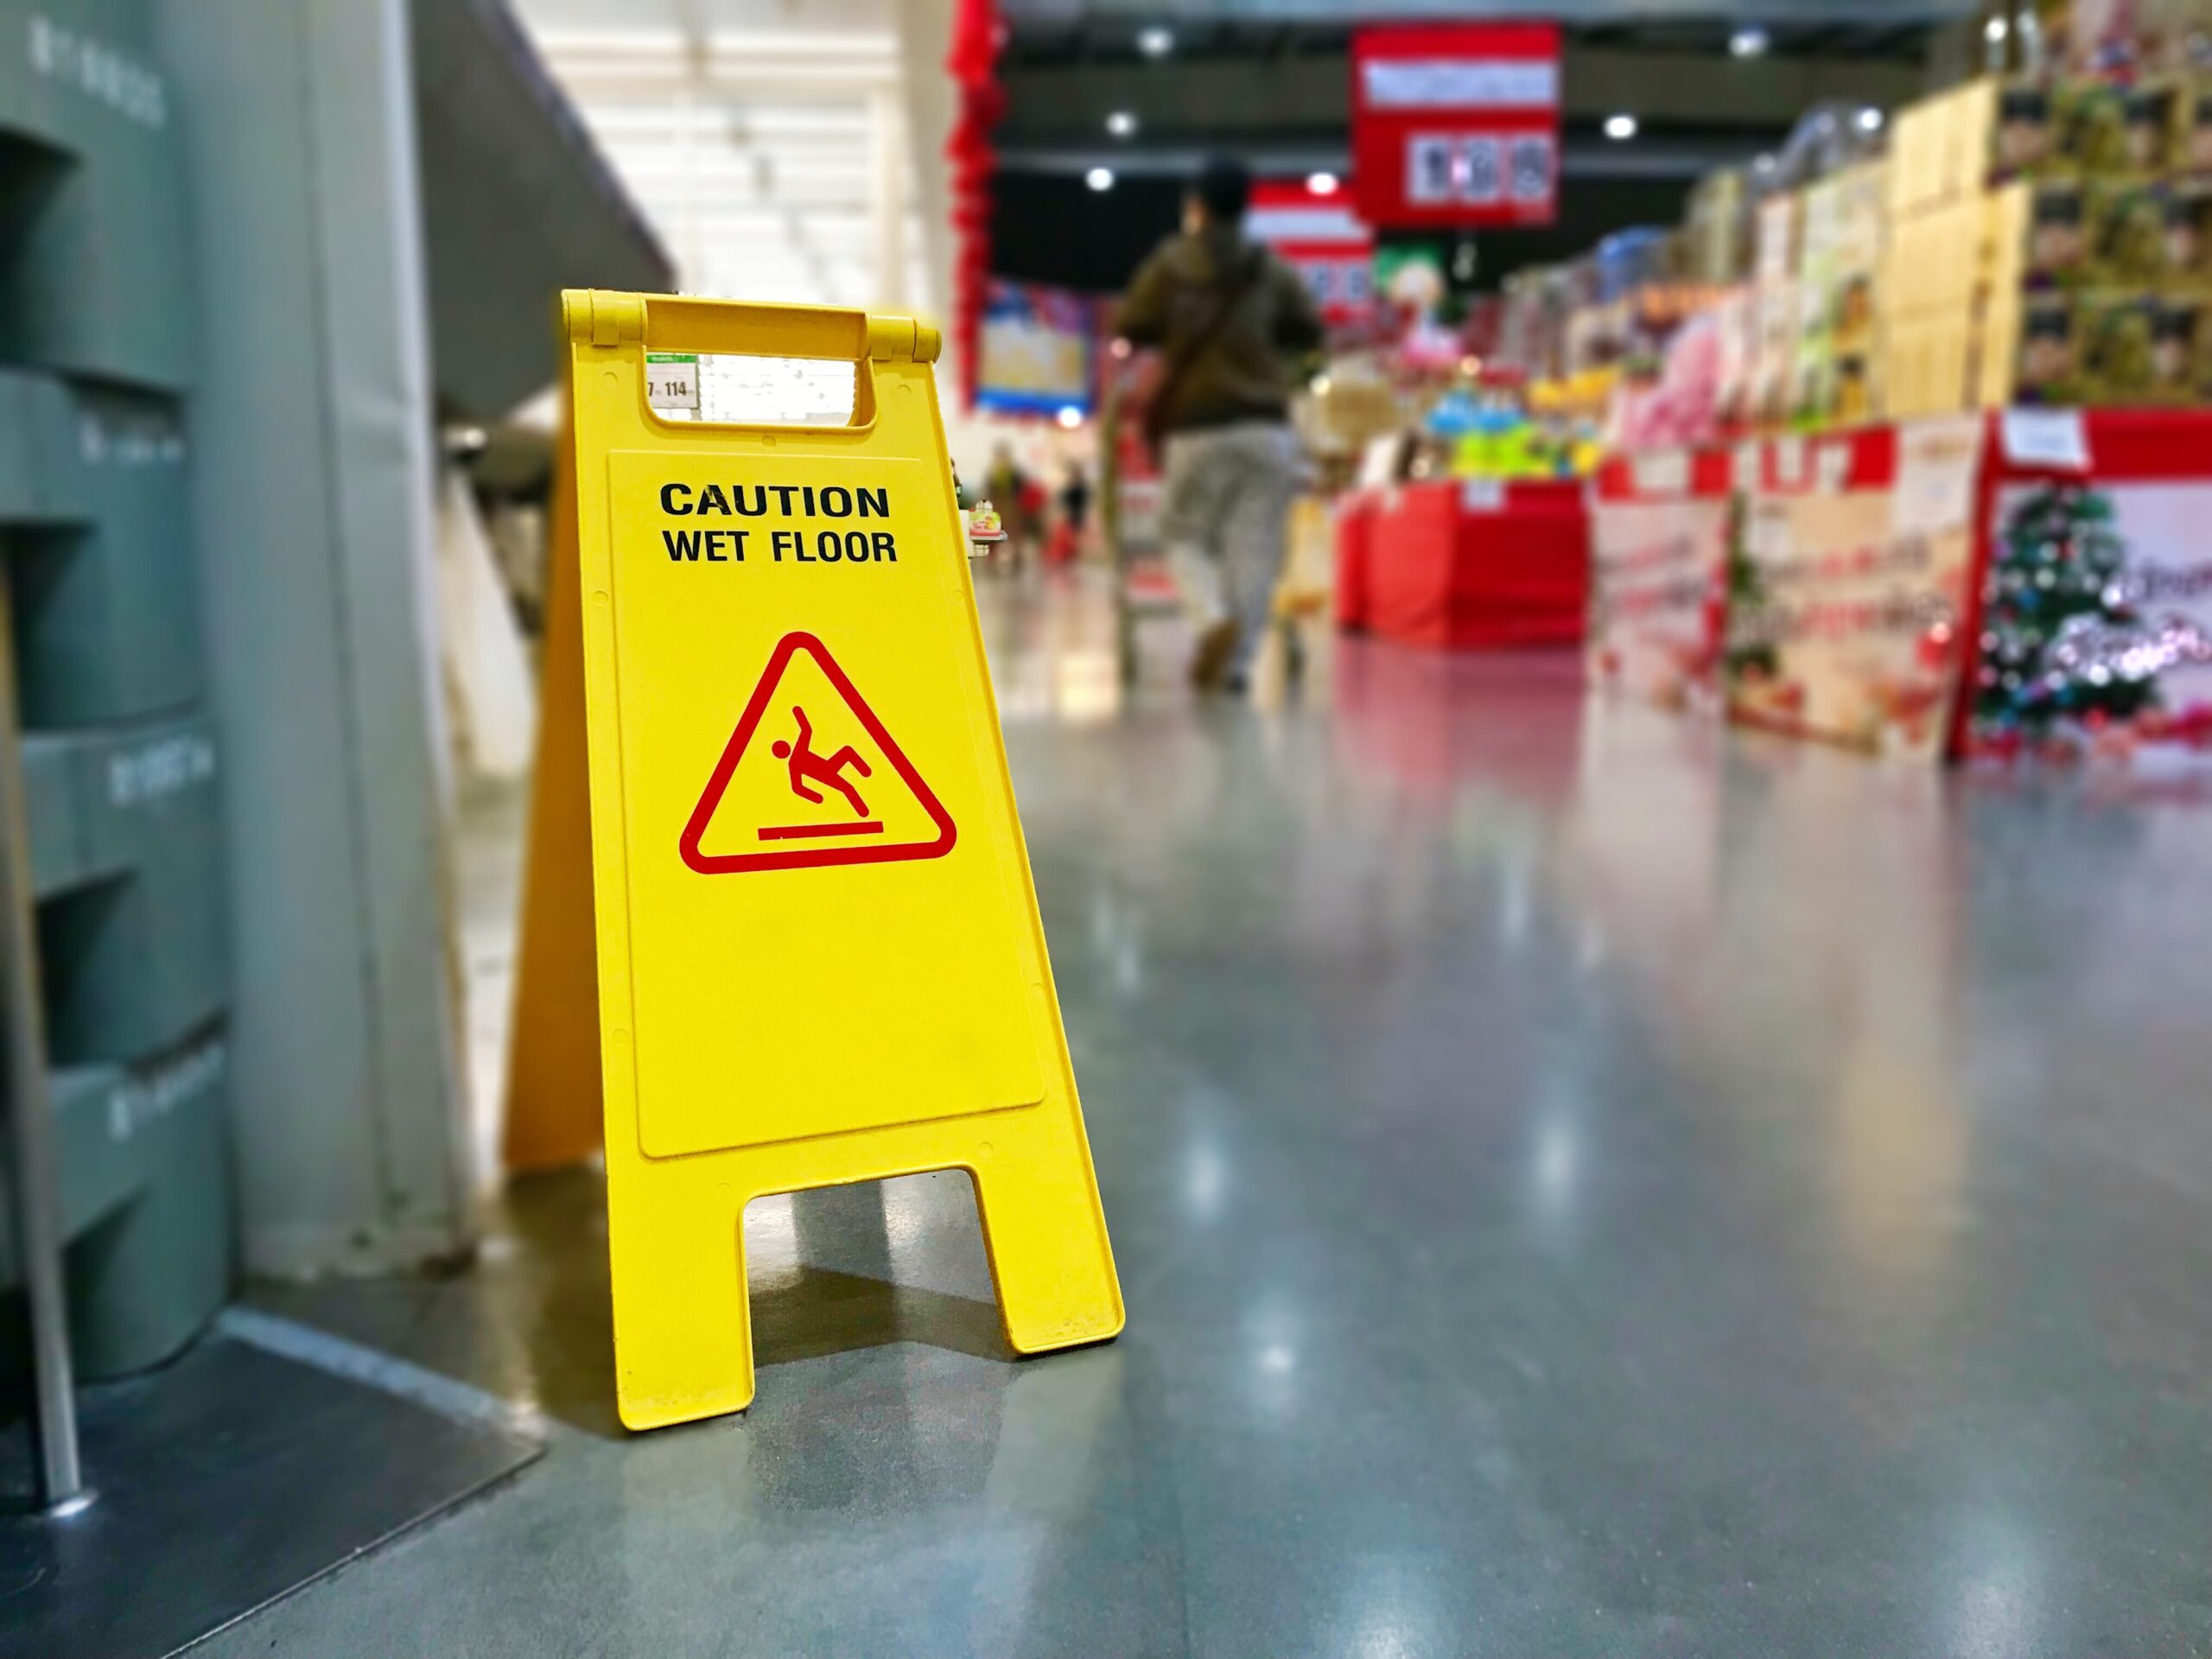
<point x="1230" y="319"/>
<point x="1066" y="545"/>
<point x="1009" y="487"/>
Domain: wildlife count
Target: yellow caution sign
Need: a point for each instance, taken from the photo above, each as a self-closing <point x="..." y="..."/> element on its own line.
<point x="820" y="958"/>
<point x="552" y="1117"/>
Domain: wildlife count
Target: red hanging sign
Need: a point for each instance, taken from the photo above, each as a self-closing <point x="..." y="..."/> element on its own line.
<point x="1456" y="124"/>
<point x="1320" y="236"/>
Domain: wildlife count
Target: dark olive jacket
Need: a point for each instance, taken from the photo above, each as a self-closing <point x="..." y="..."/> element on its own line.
<point x="1246" y="370"/>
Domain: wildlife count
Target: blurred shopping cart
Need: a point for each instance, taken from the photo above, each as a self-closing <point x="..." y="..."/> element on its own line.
<point x="1130" y="501"/>
<point x="1145" y="589"/>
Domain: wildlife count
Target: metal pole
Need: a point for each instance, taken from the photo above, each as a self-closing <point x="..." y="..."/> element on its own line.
<point x="30" y="1114"/>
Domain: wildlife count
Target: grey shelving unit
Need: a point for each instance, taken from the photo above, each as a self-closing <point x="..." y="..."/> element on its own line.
<point x="120" y="760"/>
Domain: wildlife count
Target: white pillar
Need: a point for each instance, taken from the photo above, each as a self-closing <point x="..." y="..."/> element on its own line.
<point x="925" y="33"/>
<point x="311" y="425"/>
<point x="887" y="196"/>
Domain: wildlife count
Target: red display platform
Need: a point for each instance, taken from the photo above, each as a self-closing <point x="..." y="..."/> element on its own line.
<point x="1354" y="557"/>
<point x="1478" y="565"/>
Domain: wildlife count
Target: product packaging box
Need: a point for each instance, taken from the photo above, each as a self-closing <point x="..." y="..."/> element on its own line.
<point x="2039" y="234"/>
<point x="2092" y="122"/>
<point x="1775" y="246"/>
<point x="2170" y="34"/>
<point x="2022" y="143"/>
<point x="1717" y="229"/>
<point x="1971" y="127"/>
<point x="2029" y="351"/>
<point x="2190" y="150"/>
<point x="2140" y="348"/>
<point x="1925" y="365"/>
<point x="2186" y="207"/>
<point x="2154" y="110"/>
<point x="2127" y="235"/>
<point x="2181" y="348"/>
<point x="2117" y="330"/>
<point x="1954" y="144"/>
<point x="1775" y="353"/>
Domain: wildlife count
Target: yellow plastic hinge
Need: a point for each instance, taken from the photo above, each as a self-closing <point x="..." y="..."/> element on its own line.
<point x="895" y="339"/>
<point x="597" y="317"/>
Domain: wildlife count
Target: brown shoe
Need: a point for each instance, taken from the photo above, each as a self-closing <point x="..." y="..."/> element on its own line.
<point x="1210" y="661"/>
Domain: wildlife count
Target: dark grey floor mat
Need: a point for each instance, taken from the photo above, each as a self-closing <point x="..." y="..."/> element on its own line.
<point x="229" y="1479"/>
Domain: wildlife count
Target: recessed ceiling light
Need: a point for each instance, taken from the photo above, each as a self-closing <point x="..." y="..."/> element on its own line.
<point x="1747" y="42"/>
<point x="1122" y="123"/>
<point x="1100" y="178"/>
<point x="1995" y="30"/>
<point x="1870" y="119"/>
<point x="1620" y="126"/>
<point x="1071" y="416"/>
<point x="1321" y="184"/>
<point x="1155" y="41"/>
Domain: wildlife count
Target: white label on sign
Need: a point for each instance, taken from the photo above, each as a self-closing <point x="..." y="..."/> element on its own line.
<point x="1482" y="171"/>
<point x="1937" y="459"/>
<point x="1663" y="472"/>
<point x="139" y="1102"/>
<point x="1431" y="170"/>
<point x="1831" y="467"/>
<point x="1789" y="462"/>
<point x="75" y="59"/>
<point x="2046" y="437"/>
<point x="672" y="380"/>
<point x="1378" y="462"/>
<point x="1461" y="83"/>
<point x="1747" y="469"/>
<point x="1531" y="167"/>
<point x="128" y="440"/>
<point x="160" y="769"/>
<point x="1483" y="495"/>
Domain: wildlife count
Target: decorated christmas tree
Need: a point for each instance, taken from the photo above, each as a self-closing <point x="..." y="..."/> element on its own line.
<point x="1754" y="659"/>
<point x="2057" y="623"/>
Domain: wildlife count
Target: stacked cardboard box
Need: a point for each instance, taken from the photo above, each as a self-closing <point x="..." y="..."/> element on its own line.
<point x="1940" y="152"/>
<point x="1716" y="230"/>
<point x="1835" y="379"/>
<point x="1774" y="308"/>
<point x="2049" y="244"/>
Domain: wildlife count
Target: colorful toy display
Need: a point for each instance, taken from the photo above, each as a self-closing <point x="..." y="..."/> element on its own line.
<point x="983" y="524"/>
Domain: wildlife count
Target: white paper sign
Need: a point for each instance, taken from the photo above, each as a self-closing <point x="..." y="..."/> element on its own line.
<point x="1378" y="462"/>
<point x="2046" y="437"/>
<point x="1831" y="467"/>
<point x="1937" y="459"/>
<point x="1662" y="471"/>
<point x="672" y="380"/>
<point x="1481" y="495"/>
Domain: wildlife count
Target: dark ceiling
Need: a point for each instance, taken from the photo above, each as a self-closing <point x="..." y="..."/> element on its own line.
<point x="1276" y="90"/>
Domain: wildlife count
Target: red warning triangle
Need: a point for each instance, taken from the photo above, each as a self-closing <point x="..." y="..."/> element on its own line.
<point x="831" y="821"/>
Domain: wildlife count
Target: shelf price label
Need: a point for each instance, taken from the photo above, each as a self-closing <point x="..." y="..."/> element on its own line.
<point x="672" y="380"/>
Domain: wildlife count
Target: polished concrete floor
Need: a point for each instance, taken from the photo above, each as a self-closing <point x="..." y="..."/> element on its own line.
<point x="1583" y="1185"/>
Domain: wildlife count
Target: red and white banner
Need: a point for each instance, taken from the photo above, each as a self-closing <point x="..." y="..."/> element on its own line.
<point x="1659" y="529"/>
<point x="1456" y="124"/>
<point x="1322" y="238"/>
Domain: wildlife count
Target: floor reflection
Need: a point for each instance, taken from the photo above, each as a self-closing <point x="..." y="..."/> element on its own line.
<point x="1584" y="1183"/>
